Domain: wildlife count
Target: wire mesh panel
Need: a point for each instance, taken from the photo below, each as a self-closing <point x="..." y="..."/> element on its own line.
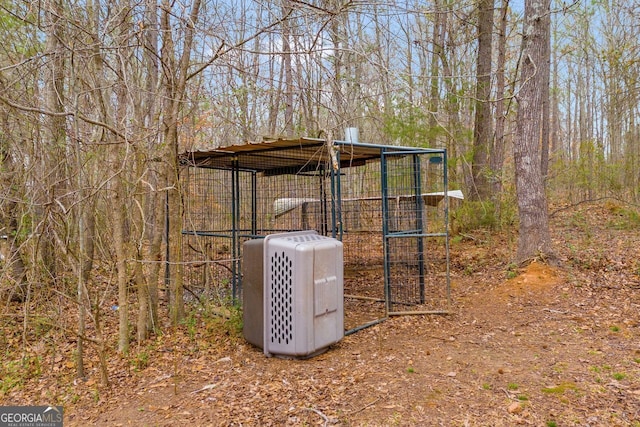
<point x="208" y="237"/>
<point x="293" y="202"/>
<point x="226" y="206"/>
<point x="361" y="214"/>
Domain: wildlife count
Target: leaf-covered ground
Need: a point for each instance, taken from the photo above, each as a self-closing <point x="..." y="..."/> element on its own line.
<point x="541" y="346"/>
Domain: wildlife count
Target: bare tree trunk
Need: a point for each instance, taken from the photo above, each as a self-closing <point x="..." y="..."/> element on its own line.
<point x="336" y="34"/>
<point x="56" y="163"/>
<point x="10" y="227"/>
<point x="545" y="81"/>
<point x="11" y="231"/>
<point x="288" y="71"/>
<point x="55" y="129"/>
<point x="86" y="228"/>
<point x="496" y="159"/>
<point x="434" y="84"/>
<point x="175" y="213"/>
<point x="155" y="255"/>
<point x="142" y="325"/>
<point x="535" y="239"/>
<point x="13" y="258"/>
<point x="274" y="97"/>
<point x="142" y="249"/>
<point x="154" y="200"/>
<point x="175" y="80"/>
<point x="452" y="106"/>
<point x="482" y="131"/>
<point x="554" y="132"/>
<point x="121" y="267"/>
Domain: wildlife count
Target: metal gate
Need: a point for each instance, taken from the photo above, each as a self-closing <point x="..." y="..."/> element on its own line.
<point x="415" y="232"/>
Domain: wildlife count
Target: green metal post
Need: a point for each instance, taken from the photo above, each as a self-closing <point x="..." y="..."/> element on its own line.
<point x="419" y="206"/>
<point x="235" y="215"/>
<point x="336" y="201"/>
<point x="385" y="229"/>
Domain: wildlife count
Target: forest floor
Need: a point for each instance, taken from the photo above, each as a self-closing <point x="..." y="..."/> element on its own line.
<point x="540" y="346"/>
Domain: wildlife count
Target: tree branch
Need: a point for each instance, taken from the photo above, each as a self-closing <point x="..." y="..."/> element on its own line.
<point x="42" y="111"/>
<point x="221" y="51"/>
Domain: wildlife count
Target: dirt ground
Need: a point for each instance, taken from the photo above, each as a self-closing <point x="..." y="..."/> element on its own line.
<point x="540" y="346"/>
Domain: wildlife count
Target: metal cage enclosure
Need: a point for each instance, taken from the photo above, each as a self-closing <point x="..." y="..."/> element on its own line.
<point x="387" y="204"/>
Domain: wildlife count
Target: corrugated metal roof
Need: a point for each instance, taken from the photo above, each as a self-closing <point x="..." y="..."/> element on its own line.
<point x="286" y="155"/>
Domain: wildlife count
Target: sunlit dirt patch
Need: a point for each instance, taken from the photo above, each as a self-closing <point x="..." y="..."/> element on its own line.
<point x="536" y="280"/>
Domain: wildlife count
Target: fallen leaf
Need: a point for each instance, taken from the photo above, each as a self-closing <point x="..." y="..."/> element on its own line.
<point x="515" y="408"/>
<point x="207" y="387"/>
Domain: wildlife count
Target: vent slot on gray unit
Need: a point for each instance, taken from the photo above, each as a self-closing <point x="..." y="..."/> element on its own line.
<point x="282" y="298"/>
<point x="306" y="238"/>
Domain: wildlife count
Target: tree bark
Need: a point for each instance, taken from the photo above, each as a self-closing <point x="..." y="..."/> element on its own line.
<point x="535" y="239"/>
<point x="545" y="22"/>
<point x="174" y="84"/>
<point x="288" y="72"/>
<point x="496" y="159"/>
<point x="154" y="212"/>
<point x="55" y="130"/>
<point x="434" y="84"/>
<point x="11" y="229"/>
<point x="482" y="131"/>
<point x="121" y="267"/>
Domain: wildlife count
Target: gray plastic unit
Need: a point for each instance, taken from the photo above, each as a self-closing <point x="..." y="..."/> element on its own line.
<point x="303" y="293"/>
<point x="253" y="291"/>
